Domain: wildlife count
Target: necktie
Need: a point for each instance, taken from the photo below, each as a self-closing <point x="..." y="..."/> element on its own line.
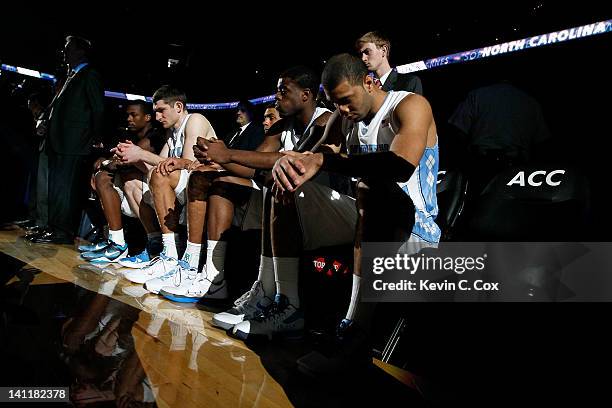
<point x="235" y="136"/>
<point x="66" y="82"/>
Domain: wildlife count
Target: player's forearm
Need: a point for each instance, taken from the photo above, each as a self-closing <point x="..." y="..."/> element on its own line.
<point x="240" y="170"/>
<point x="254" y="160"/>
<point x="150" y="158"/>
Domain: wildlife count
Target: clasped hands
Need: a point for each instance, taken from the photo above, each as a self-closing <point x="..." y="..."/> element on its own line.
<point x="294" y="169"/>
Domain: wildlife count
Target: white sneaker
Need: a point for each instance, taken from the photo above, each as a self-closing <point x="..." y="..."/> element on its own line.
<point x="177" y="276"/>
<point x="200" y="288"/>
<point x="158" y="267"/>
<point x="281" y="319"/>
<point x="251" y="304"/>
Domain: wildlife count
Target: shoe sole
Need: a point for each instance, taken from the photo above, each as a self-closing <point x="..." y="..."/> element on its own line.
<point x="133" y="265"/>
<point x="223" y="297"/>
<point x="222" y="325"/>
<point x="150" y="290"/>
<point x="189" y="299"/>
<point x="155" y="292"/>
<point x="178" y="298"/>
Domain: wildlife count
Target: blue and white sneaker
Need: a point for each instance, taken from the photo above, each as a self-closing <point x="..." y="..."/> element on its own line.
<point x="137" y="261"/>
<point x="159" y="266"/>
<point x="281" y="319"/>
<point x="95" y="246"/>
<point x="250" y="305"/>
<point x="154" y="248"/>
<point x="198" y="289"/>
<point x="111" y="252"/>
<point x="181" y="275"/>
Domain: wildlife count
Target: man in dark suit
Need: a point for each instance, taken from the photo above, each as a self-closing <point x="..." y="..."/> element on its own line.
<point x="76" y="118"/>
<point x="375" y="49"/>
<point x="250" y="134"/>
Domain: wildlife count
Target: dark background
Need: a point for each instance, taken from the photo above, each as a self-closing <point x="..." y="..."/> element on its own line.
<point x="234" y="51"/>
<point x="541" y="355"/>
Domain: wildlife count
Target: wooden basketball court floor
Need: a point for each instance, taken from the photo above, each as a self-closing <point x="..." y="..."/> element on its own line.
<point x="187" y="361"/>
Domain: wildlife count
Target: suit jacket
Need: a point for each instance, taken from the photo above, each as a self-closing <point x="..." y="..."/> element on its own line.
<point x="249" y="139"/>
<point x="403" y="82"/>
<point x="78" y="114"/>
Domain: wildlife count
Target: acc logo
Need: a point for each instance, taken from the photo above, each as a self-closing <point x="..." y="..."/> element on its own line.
<point x="531" y="179"/>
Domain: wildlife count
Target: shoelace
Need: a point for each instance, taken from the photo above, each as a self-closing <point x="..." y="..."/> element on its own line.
<point x="276" y="314"/>
<point x="273" y="313"/>
<point x="190" y="276"/>
<point x="179" y="274"/>
<point x="154" y="261"/>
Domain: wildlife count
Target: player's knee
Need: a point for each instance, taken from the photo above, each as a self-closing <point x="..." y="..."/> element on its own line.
<point x="158" y="181"/>
<point x="103" y="180"/>
<point x="132" y="187"/>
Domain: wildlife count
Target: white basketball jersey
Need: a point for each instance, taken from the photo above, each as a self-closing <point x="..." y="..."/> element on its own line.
<point x="177" y="140"/>
<point x="377" y="136"/>
<point x="289" y="139"/>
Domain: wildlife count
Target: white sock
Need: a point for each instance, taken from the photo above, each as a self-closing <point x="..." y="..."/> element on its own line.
<point x="116" y="236"/>
<point x="215" y="260"/>
<point x="192" y="254"/>
<point x="350" y="314"/>
<point x="170" y="245"/>
<point x="266" y="276"/>
<point x="286" y="275"/>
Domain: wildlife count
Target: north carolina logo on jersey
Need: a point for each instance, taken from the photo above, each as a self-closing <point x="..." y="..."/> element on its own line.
<point x="367" y="148"/>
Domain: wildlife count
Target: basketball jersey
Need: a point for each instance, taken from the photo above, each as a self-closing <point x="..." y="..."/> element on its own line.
<point x="289" y="139"/>
<point x="377" y="136"/>
<point x="177" y="139"/>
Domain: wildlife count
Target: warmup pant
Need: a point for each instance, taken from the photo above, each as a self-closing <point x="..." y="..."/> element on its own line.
<point x="68" y="181"/>
<point x="39" y="193"/>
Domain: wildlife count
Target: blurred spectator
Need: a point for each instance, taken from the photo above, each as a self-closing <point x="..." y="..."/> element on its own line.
<point x="250" y="134"/>
<point x="502" y="125"/>
<point x="16" y="137"/>
<point x="271" y="116"/>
